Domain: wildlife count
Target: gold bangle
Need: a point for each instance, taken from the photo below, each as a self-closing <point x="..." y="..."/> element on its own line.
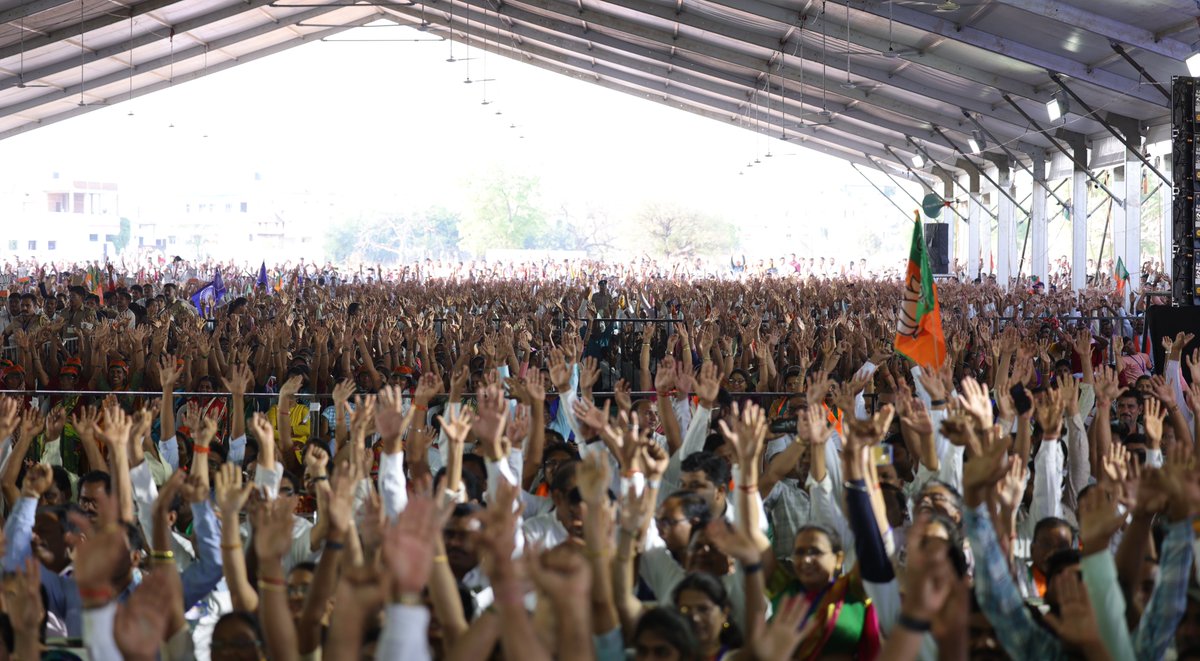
<point x="163" y="555"/>
<point x="441" y="559"/>
<point x="271" y="586"/>
<point x="410" y="599"/>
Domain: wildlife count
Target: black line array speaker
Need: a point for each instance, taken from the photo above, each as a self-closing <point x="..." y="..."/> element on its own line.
<point x="1185" y="172"/>
<point x="1164" y="320"/>
<point x="937" y="246"/>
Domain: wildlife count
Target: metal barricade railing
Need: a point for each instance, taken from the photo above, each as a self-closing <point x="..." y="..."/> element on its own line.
<point x="326" y="399"/>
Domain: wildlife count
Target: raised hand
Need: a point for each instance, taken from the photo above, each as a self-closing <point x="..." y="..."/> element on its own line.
<point x="1153" y="418"/>
<point x="342" y="393"/>
<point x="104" y="545"/>
<point x="1193" y="365"/>
<point x="117" y="425"/>
<point x="974" y="399"/>
<point x="560" y="373"/>
<point x="1106" y="387"/>
<point x="316" y="459"/>
<point x="928" y="578"/>
<point x="1075" y="622"/>
<point x="340" y="498"/>
<point x="290" y="387"/>
<point x="142" y="621"/>
<point x="654" y="459"/>
<point x="10" y="415"/>
<point x="748" y="432"/>
<point x="933" y="384"/>
<point x="408" y="548"/>
<point x="621" y="393"/>
<point x="593" y="477"/>
<point x="1049" y="413"/>
<point x="264" y="432"/>
<point x="490" y="422"/>
<point x="732" y="542"/>
<point x="589" y="373"/>
<point x="664" y="378"/>
<point x="708" y="385"/>
<point x="231" y="494"/>
<point x="239" y="382"/>
<point x="206" y="430"/>
<point x="784" y="633"/>
<point x="38" y="479"/>
<point x="984" y="470"/>
<point x="390" y="421"/>
<point x="565" y="577"/>
<point x="535" y="386"/>
<point x="55" y="421"/>
<point x="169" y="371"/>
<point x="272" y="521"/>
<point x="428" y="387"/>
<point x="813" y="425"/>
<point x="1010" y="490"/>
<point x="85" y="420"/>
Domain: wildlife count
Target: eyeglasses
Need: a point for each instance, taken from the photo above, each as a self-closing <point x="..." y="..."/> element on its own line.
<point x="813" y="552"/>
<point x="663" y="522"/>
<point x="576" y="498"/>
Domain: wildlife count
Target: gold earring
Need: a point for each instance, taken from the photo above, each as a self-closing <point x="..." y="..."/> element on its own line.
<point x="726" y="625"/>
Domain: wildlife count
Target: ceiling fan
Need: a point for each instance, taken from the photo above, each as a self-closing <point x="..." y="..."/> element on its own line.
<point x="21" y="84"/>
<point x="941" y="6"/>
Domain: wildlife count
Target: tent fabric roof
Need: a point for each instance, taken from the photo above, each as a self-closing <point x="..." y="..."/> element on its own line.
<point x="874" y="82"/>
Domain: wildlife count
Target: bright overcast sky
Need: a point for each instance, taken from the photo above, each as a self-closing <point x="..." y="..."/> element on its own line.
<point x="393" y="126"/>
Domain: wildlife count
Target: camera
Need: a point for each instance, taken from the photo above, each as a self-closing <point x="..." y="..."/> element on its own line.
<point x="783" y="426"/>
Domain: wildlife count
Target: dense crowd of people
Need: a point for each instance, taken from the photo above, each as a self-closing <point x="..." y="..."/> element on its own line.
<point x="583" y="461"/>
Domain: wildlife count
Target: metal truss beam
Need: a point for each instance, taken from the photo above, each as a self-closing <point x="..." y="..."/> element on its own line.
<point x="670" y="72"/>
<point x="1104" y="26"/>
<point x="158" y="63"/>
<point x="214" y="68"/>
<point x="1051" y="62"/>
<point x="145" y="39"/>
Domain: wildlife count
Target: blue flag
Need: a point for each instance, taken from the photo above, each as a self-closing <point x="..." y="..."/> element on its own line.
<point x="212" y="293"/>
<point x="262" y="276"/>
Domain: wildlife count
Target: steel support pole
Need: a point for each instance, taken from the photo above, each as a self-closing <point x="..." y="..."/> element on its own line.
<point x="1079" y="222"/>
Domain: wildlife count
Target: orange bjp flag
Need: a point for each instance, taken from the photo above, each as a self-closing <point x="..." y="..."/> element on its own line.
<point x="919" y="334"/>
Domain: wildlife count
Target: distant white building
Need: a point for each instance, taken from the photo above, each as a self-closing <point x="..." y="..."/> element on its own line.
<point x="69" y="219"/>
<point x="60" y="218"/>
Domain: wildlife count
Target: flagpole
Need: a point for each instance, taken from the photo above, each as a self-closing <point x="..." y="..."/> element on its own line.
<point x="1103" y="237"/>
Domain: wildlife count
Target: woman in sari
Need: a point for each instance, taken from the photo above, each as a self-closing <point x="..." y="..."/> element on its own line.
<point x="847" y="626"/>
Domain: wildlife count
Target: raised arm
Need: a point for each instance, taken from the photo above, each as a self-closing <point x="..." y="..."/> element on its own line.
<point x="339" y="498"/>
<point x="31" y="423"/>
<point x="168" y="373"/>
<point x="593" y="478"/>
<point x="117" y="428"/>
<point x="160" y="545"/>
<point x="283" y="424"/>
<point x="532" y="392"/>
<point x="272" y="539"/>
<point x="239" y="381"/>
<point x="231" y="496"/>
<point x="664" y="382"/>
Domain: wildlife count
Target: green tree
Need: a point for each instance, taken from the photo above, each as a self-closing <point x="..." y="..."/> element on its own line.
<point x="673" y="232"/>
<point x="507" y="213"/>
<point x="580" y="226"/>
<point x="395" y="237"/>
<point x="122" y="238"/>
